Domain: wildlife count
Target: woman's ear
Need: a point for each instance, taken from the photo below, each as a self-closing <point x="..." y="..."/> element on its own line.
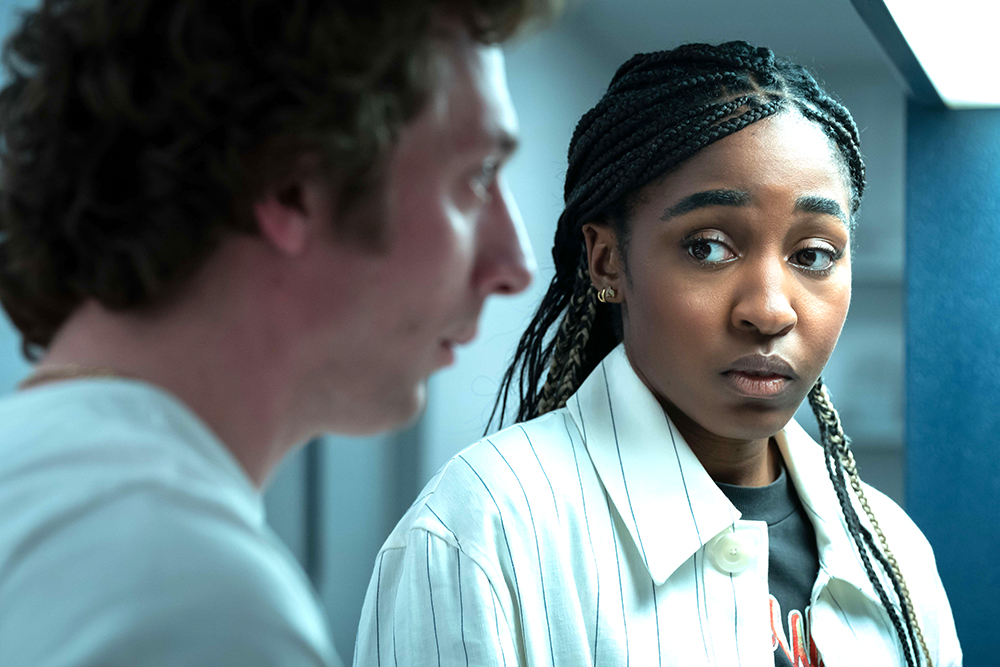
<point x="603" y="259"/>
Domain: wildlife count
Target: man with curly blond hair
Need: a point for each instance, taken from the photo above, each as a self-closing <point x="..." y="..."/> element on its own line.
<point x="226" y="227"/>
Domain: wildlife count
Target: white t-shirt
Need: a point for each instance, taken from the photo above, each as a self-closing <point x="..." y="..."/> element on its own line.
<point x="131" y="536"/>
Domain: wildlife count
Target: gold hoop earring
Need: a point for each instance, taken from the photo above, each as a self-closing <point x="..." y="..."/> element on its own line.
<point x="605" y="294"/>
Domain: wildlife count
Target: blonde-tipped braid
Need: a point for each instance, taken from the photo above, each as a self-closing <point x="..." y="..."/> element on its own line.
<point x="837" y="444"/>
<point x="563" y="378"/>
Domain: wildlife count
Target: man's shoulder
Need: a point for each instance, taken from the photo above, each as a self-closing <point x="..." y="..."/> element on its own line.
<point x="87" y="412"/>
<point x="151" y="562"/>
<point x="141" y="529"/>
<point x="107" y="470"/>
<point x="133" y="526"/>
<point x="63" y="449"/>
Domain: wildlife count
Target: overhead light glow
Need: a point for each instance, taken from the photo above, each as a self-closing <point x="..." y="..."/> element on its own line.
<point x="956" y="43"/>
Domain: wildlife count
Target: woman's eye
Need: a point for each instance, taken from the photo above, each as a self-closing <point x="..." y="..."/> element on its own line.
<point x="814" y="259"/>
<point x="708" y="251"/>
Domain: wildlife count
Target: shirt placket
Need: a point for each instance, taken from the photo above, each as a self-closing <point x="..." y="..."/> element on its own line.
<point x="736" y="595"/>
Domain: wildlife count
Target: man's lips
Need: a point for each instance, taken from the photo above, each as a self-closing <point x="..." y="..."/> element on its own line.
<point x="463" y="338"/>
<point x="448" y="346"/>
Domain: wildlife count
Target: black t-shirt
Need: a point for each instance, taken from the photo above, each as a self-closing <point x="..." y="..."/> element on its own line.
<point x="792" y="563"/>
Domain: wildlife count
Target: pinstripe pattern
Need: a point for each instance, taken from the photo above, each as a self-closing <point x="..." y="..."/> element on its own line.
<point x="621" y="587"/>
<point x="701" y="608"/>
<point x="656" y="620"/>
<point x="694" y="522"/>
<point x="680" y="470"/>
<point x="450" y="531"/>
<point x="378" y="625"/>
<point x="736" y="621"/>
<point x="621" y="466"/>
<point x="499" y="515"/>
<point x="583" y="424"/>
<point x="496" y="622"/>
<point x="555" y="503"/>
<point x="458" y="575"/>
<point x="590" y="539"/>
<point x="395" y="658"/>
<point x="538" y="549"/>
<point x="461" y="605"/>
<point x="430" y="591"/>
<point x="843" y="615"/>
<point x="461" y="602"/>
<point x="503" y="528"/>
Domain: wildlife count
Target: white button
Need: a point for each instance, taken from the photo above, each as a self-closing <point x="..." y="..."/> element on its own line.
<point x="731" y="552"/>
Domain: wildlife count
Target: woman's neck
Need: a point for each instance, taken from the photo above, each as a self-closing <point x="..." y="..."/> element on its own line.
<point x="729" y="461"/>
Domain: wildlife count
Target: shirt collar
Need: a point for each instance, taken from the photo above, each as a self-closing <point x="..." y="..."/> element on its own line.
<point x="806" y="465"/>
<point x="625" y="430"/>
<point x="664" y="496"/>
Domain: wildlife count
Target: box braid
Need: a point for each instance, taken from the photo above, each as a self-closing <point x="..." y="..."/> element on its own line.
<point x="659" y="110"/>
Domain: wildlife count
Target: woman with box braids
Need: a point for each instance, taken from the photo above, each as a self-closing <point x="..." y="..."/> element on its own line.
<point x="660" y="110"/>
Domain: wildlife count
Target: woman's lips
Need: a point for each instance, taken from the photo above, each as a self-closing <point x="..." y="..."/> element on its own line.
<point x="757" y="386"/>
<point x="760" y="376"/>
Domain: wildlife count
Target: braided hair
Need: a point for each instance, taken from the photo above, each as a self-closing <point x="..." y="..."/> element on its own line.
<point x="659" y="110"/>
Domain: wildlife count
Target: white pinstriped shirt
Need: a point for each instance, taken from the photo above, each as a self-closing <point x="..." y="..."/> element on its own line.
<point x="587" y="537"/>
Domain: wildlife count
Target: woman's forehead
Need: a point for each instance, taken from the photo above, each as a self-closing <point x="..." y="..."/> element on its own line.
<point x="784" y="153"/>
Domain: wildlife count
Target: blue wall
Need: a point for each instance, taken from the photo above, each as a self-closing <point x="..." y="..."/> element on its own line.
<point x="953" y="358"/>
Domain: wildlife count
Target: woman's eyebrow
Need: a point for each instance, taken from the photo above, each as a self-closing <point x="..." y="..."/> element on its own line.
<point x="705" y="199"/>
<point x="824" y="205"/>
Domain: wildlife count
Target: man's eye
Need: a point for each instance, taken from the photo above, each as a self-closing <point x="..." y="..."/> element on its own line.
<point x="482" y="180"/>
<point x="814" y="259"/>
<point x="708" y="251"/>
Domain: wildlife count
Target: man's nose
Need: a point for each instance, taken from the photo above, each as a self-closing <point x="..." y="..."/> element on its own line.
<point x="506" y="263"/>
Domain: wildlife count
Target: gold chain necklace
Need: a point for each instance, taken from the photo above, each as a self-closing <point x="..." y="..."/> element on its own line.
<point x="43" y="374"/>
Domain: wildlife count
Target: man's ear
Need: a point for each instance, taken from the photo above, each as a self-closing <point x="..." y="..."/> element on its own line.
<point x="290" y="215"/>
<point x="603" y="256"/>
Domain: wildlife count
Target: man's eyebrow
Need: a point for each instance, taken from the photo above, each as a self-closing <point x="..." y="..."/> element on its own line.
<point x="824" y="205"/>
<point x="506" y="143"/>
<point x="706" y="199"/>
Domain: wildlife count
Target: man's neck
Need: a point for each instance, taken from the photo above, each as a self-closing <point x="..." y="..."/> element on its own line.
<point x="232" y="380"/>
